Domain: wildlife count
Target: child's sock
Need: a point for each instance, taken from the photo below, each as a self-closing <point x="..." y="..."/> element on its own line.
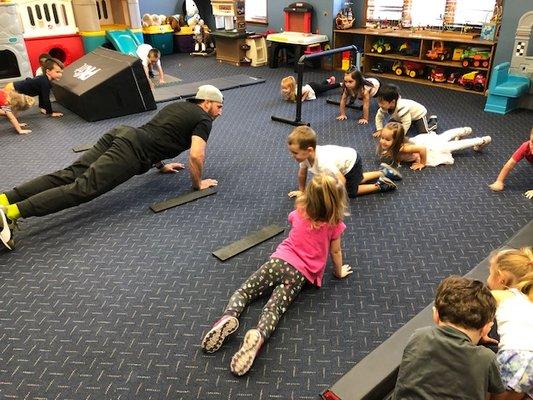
<point x="4" y="200"/>
<point x="12" y="212"/>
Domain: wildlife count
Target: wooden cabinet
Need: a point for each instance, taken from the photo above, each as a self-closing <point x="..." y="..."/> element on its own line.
<point x="381" y="52"/>
<point x="230" y="47"/>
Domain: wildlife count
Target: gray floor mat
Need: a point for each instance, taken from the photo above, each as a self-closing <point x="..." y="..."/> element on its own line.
<point x="175" y="92"/>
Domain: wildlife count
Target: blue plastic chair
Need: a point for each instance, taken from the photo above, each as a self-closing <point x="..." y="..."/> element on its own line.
<point x="505" y="90"/>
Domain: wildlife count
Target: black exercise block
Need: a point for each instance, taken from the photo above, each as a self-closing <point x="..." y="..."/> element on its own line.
<point x="184" y="198"/>
<point x="249" y="241"/>
<point x="81" y="148"/>
<point x="104" y="84"/>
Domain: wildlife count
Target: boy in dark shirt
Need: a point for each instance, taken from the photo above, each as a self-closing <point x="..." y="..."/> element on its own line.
<point x="444" y="361"/>
<point x="41" y="85"/>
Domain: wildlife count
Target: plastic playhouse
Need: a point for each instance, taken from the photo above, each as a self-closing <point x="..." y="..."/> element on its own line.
<point x="49" y="27"/>
<point x="510" y="83"/>
<point x="97" y="18"/>
<point x="14" y="61"/>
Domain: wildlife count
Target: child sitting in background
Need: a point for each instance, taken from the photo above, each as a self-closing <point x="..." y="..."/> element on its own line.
<point x="40" y="86"/>
<point x="524" y="151"/>
<point x="444" y="361"/>
<point x="10" y="104"/>
<point x="316" y="229"/>
<point x="356" y="86"/>
<point x="309" y="91"/>
<point x="406" y="112"/>
<point x="343" y="162"/>
<point x="427" y="149"/>
<point x="151" y="58"/>
<point x="511" y="281"/>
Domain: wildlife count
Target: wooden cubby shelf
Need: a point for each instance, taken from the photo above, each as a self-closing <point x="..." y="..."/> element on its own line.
<point x="420" y="42"/>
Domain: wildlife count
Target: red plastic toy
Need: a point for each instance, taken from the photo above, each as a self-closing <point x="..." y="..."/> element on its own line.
<point x="473" y="80"/>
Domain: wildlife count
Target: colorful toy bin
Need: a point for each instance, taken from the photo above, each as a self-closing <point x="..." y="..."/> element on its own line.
<point x="160" y="37"/>
<point x="184" y="40"/>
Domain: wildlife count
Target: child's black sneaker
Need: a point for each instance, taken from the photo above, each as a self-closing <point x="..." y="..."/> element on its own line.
<point x="224" y="327"/>
<point x="385" y="184"/>
<point x="390" y="172"/>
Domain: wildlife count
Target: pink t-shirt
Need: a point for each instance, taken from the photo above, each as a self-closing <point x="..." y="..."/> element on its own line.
<point x="524" y="151"/>
<point x="307" y="248"/>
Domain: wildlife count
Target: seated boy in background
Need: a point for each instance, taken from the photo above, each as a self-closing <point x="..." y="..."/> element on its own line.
<point x="406" y="112"/>
<point x="151" y="58"/>
<point x="444" y="361"/>
<point x="41" y="85"/>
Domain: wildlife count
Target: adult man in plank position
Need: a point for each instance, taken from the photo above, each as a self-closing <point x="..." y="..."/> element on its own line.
<point x="119" y="155"/>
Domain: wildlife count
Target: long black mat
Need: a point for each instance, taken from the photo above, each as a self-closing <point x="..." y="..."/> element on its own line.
<point x="183" y="91"/>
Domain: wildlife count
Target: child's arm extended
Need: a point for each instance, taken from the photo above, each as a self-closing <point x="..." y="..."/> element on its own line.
<point x="302" y="178"/>
<point x="339" y="270"/>
<point x="342" y="107"/>
<point x="16" y="124"/>
<point x="498" y="185"/>
<point x="416" y="149"/>
<point x="380" y="115"/>
<point x="366" y="105"/>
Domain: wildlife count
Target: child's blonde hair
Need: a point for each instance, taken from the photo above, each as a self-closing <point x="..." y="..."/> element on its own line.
<point x="516" y="268"/>
<point x="289" y="82"/>
<point x="20" y="102"/>
<point x="324" y="200"/>
<point x="304" y="136"/>
<point x="398" y="139"/>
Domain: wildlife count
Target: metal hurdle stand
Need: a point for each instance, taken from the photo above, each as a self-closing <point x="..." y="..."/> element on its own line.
<point x="301" y="62"/>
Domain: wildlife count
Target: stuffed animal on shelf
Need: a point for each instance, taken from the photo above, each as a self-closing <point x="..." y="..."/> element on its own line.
<point x="202" y="38"/>
<point x="153" y="20"/>
<point x="147" y="20"/>
<point x="176" y="22"/>
<point x="191" y="13"/>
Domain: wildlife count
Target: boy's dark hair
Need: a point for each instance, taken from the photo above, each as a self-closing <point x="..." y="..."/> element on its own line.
<point x="43" y="57"/>
<point x="304" y="136"/>
<point x="49" y="63"/>
<point x="464" y="302"/>
<point x="388" y="92"/>
<point x="154" y="53"/>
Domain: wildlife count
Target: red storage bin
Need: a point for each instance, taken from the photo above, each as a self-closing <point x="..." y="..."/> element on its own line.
<point x="66" y="48"/>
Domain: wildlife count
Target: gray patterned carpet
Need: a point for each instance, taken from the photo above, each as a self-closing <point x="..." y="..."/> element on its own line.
<point x="109" y="301"/>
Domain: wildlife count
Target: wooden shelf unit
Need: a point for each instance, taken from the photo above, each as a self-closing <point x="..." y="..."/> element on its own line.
<point x="423" y="40"/>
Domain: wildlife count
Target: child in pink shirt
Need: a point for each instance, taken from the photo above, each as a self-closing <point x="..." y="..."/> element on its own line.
<point x="316" y="232"/>
<point x="524" y="151"/>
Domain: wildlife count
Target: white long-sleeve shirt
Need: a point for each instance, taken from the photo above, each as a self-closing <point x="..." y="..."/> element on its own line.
<point x="405" y="112"/>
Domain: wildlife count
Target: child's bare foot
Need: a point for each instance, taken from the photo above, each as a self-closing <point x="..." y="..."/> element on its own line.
<point x="56" y="114"/>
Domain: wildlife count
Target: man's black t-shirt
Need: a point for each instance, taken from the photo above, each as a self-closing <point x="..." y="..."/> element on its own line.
<point x="170" y="132"/>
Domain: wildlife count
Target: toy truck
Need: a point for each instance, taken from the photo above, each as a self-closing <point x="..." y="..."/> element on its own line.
<point x="473" y="81"/>
<point x="437" y="51"/>
<point x="475" y="56"/>
<point x="381" y="46"/>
